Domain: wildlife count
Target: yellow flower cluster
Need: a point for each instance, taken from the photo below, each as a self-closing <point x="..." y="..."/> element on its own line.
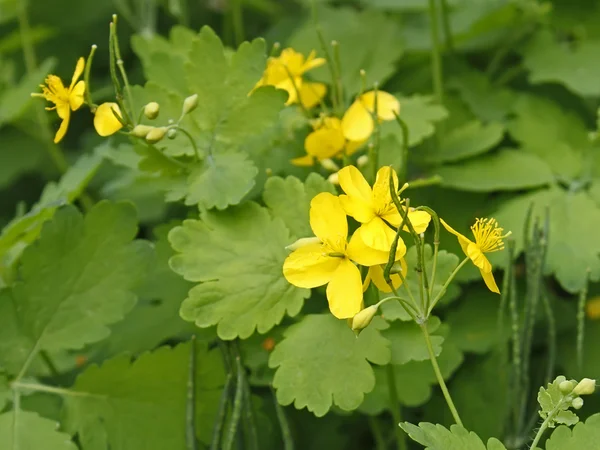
<point x="330" y="258"/>
<point x="70" y="99"/>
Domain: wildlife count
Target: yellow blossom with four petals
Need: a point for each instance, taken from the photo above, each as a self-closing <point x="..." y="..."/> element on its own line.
<point x="65" y="99"/>
<point x="374" y="208"/>
<point x="357" y="123"/>
<point x="488" y="238"/>
<point x="330" y="260"/>
<point x="286" y="72"/>
<point x="105" y="121"/>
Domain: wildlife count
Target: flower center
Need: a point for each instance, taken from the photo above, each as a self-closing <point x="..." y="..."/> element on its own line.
<point x="335" y="247"/>
<point x="488" y="235"/>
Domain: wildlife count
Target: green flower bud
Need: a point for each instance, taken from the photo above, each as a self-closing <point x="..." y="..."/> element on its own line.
<point x="141" y="131"/>
<point x="328" y="164"/>
<point x="156" y="134"/>
<point x="566" y="387"/>
<point x="362" y="161"/>
<point x="172" y="133"/>
<point x="586" y="386"/>
<point x="334" y="178"/>
<point x="362" y="320"/>
<point x="303" y="242"/>
<point x="151" y="110"/>
<point x="190" y="104"/>
<point x="577" y="403"/>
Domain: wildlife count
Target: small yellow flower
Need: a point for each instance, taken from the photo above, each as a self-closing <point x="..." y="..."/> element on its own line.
<point x="357" y="122"/>
<point x="286" y="72"/>
<point x="488" y="238"/>
<point x="374" y="207"/>
<point x="65" y="99"/>
<point x="105" y="121"/>
<point x="375" y="275"/>
<point x="326" y="141"/>
<point x="331" y="260"/>
<point x="592" y="308"/>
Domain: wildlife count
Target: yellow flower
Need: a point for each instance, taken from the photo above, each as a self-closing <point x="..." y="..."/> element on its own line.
<point x="488" y="238"/>
<point x="374" y="207"/>
<point x="357" y="122"/>
<point x="326" y="141"/>
<point x="105" y="121"/>
<point x="592" y="308"/>
<point x="286" y="72"/>
<point x="330" y="261"/>
<point x="65" y="99"/>
<point x="375" y="275"/>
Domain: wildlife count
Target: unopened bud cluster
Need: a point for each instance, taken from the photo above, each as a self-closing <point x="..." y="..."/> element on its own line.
<point x="572" y="390"/>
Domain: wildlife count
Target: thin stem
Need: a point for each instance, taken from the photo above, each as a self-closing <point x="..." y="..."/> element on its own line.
<point x="424" y="182"/>
<point x="86" y="78"/>
<point x="438" y="374"/>
<point x="237" y="19"/>
<point x="236" y="412"/>
<point x="250" y="431"/>
<point x="286" y="432"/>
<point x="377" y="433"/>
<point x="190" y="412"/>
<point x="395" y="408"/>
<point x="374" y="149"/>
<point x="334" y="98"/>
<point x="337" y="63"/>
<point x="402" y="173"/>
<point x="446" y="284"/>
<point x="545" y="424"/>
<point x="20" y="386"/>
<point x="581" y="323"/>
<point x="191" y="139"/>
<point x="221" y="412"/>
<point x="119" y="60"/>
<point x="436" y="61"/>
<point x="48" y="361"/>
<point x="15" y="424"/>
<point x="551" y="337"/>
<point x="436" y="245"/>
<point x="446" y="24"/>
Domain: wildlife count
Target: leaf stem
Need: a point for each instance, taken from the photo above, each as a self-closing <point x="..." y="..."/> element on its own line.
<point x="446" y="24"/>
<point x="237" y="19"/>
<point x="545" y="423"/>
<point x="446" y="284"/>
<point x="581" y="323"/>
<point x="221" y="411"/>
<point x="286" y="432"/>
<point x="395" y="408"/>
<point x="86" y="78"/>
<point x="236" y="413"/>
<point x="249" y="422"/>
<point x="190" y="412"/>
<point x="403" y="172"/>
<point x="377" y="433"/>
<point x="438" y="374"/>
<point x="436" y="61"/>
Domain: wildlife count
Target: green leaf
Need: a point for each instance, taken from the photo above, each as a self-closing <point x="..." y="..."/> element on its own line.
<point x="321" y="362"/>
<point x="554" y="406"/>
<point x="505" y="169"/>
<point x="572" y="221"/>
<point x="20" y="154"/>
<point x="32" y="432"/>
<point x="237" y="255"/>
<point x="351" y="29"/>
<point x="407" y="341"/>
<point x="584" y="436"/>
<point x="124" y="405"/>
<point x="437" y="437"/>
<point x="420" y="114"/>
<point x="446" y="263"/>
<point x="467" y="140"/>
<point x="578" y="70"/>
<point x="289" y="199"/>
<point x="66" y="277"/>
<point x="561" y="144"/>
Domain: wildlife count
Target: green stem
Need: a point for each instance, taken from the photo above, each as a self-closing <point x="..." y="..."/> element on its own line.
<point x="236" y="413"/>
<point x="446" y="24"/>
<point x="249" y="423"/>
<point x="20" y="386"/>
<point x="424" y="182"/>
<point x="446" y="284"/>
<point x="237" y="19"/>
<point x="374" y="149"/>
<point x="545" y="424"/>
<point x="190" y="413"/>
<point x="377" y="433"/>
<point x="436" y="245"/>
<point x="48" y="361"/>
<point x="436" y="60"/>
<point x="330" y="63"/>
<point x="86" y="78"/>
<point x="581" y="323"/>
<point x="191" y="139"/>
<point x="337" y="63"/>
<point x="119" y="61"/>
<point x="221" y="412"/>
<point x="403" y="172"/>
<point x="286" y="432"/>
<point x="438" y="374"/>
<point x="395" y="408"/>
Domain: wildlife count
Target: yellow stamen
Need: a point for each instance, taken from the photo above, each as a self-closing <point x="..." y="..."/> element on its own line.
<point x="488" y="235"/>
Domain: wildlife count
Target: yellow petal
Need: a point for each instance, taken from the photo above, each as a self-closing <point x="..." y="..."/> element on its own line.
<point x="324" y="143"/>
<point x="64" y="125"/>
<point x="292" y="60"/>
<point x="353" y="146"/>
<point x="311" y="94"/>
<point x="303" y="161"/>
<point x="354" y="184"/>
<point x="420" y="220"/>
<point x="478" y="258"/>
<point x="344" y="291"/>
<point x="387" y="104"/>
<point x="376" y="234"/>
<point x="462" y="240"/>
<point x="364" y="255"/>
<point x="76" y="95"/>
<point x="381" y="189"/>
<point x="356" y="208"/>
<point x="308" y="267"/>
<point x="312" y="62"/>
<point x="105" y="121"/>
<point x="288" y="85"/>
<point x="376" y="274"/>
<point x="357" y="122"/>
<point x="78" y="71"/>
<point x="488" y="277"/>
<point x="63" y="109"/>
<point x="328" y="220"/>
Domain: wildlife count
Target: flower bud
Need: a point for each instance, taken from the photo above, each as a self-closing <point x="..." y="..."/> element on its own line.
<point x="190" y="104"/>
<point x="172" y="133"/>
<point x="362" y="320"/>
<point x="151" y="110"/>
<point x="303" y="242"/>
<point x="577" y="403"/>
<point x="328" y="164"/>
<point x="334" y="178"/>
<point x="586" y="386"/>
<point x="566" y="387"/>
<point x="362" y="161"/>
<point x="141" y="131"/>
<point x="156" y="134"/>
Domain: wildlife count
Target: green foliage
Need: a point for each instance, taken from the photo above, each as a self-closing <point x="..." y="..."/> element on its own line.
<point x="407" y="343"/>
<point x="584" y="436"/>
<point x="221" y="251"/>
<point x="436" y="437"/>
<point x="148" y="396"/>
<point x="554" y="406"/>
<point x="321" y="362"/>
<point x="28" y="431"/>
